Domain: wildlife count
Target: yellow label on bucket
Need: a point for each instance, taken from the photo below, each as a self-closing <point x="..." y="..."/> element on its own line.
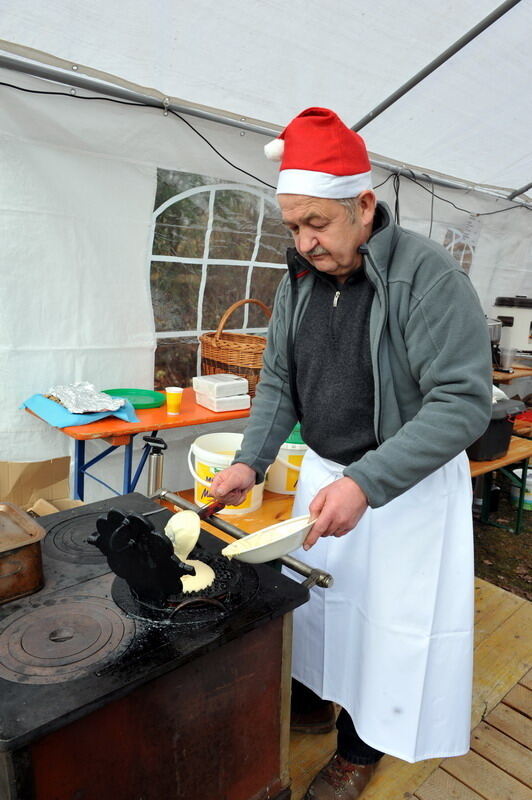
<point x="292" y="475"/>
<point x="207" y="473"/>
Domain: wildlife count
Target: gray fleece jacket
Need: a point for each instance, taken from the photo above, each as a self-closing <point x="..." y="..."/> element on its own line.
<point x="431" y="362"/>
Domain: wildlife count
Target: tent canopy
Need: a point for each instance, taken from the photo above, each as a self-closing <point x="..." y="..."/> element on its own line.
<point x="265" y="60"/>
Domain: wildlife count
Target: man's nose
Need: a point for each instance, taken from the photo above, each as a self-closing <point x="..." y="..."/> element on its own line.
<point x="307" y="241"/>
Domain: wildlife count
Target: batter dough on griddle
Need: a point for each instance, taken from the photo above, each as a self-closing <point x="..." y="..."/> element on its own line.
<point x="183" y="530"/>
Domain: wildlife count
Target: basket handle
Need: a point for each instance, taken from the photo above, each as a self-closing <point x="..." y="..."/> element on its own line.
<point x="225" y="317"/>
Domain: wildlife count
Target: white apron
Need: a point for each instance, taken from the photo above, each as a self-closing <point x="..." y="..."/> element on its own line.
<point x="392" y="640"/>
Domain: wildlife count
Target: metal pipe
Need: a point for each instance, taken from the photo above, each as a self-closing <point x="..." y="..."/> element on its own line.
<point x="313" y="576"/>
<point x="129" y="95"/>
<point x="522" y="190"/>
<point x="437" y="62"/>
<point x="112" y="90"/>
<point x="450" y="184"/>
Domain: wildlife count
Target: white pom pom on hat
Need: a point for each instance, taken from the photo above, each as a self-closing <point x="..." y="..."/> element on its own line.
<point x="274" y="150"/>
<point x="320" y="157"/>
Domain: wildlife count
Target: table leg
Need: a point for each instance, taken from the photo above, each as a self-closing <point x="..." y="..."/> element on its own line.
<point x="522" y="491"/>
<point x="487" y="481"/>
<point x="128" y="461"/>
<point x="79" y="476"/>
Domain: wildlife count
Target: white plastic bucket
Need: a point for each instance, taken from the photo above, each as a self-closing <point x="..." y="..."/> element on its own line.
<point x="283" y="475"/>
<point x="211" y="453"/>
<point x="514" y="491"/>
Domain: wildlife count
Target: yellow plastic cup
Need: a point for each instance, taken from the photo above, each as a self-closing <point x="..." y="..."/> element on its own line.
<point x="174" y="395"/>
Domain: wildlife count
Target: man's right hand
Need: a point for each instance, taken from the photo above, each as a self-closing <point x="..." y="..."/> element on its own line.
<point x="231" y="485"/>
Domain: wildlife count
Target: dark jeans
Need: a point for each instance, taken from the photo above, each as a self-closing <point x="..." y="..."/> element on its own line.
<point x="350" y="746"/>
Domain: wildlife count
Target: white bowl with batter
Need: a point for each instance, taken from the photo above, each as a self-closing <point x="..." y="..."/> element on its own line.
<point x="272" y="542"/>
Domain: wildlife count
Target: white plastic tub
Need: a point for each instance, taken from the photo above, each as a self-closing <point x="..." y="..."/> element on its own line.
<point x="210" y="454"/>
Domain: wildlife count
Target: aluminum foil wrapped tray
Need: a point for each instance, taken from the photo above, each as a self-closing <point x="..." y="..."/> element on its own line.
<point x="82" y="397"/>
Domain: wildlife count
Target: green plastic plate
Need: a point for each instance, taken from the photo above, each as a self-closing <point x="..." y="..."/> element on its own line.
<point x="139" y="398"/>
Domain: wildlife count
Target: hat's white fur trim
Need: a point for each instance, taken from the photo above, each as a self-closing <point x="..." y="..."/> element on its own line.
<point x="274" y="150"/>
<point x="321" y="184"/>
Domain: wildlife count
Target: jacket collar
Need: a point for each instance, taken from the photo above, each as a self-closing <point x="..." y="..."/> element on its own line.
<point x="382" y="238"/>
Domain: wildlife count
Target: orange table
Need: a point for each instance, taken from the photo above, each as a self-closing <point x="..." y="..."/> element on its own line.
<point x="118" y="433"/>
<point x="507" y="377"/>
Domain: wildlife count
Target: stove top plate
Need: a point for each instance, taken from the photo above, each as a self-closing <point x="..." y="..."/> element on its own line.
<point x="58" y="640"/>
<point x="69" y="649"/>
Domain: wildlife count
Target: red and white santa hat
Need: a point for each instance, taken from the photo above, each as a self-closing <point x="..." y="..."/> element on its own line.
<point x="320" y="157"/>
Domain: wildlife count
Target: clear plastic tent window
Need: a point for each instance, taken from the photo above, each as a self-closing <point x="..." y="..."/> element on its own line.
<point x="213" y="243"/>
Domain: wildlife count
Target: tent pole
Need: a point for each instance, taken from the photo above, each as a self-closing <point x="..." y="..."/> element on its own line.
<point x="112" y="90"/>
<point x="121" y="93"/>
<point x="437" y="62"/>
<point x="522" y="190"/>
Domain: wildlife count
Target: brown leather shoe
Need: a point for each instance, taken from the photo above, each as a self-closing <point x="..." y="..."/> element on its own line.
<point x="320" y="720"/>
<point x="340" y="780"/>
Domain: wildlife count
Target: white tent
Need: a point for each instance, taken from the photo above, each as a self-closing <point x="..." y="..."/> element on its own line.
<point x="79" y="175"/>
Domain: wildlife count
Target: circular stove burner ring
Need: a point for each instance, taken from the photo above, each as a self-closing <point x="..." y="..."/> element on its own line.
<point x="67" y="540"/>
<point x="62" y="639"/>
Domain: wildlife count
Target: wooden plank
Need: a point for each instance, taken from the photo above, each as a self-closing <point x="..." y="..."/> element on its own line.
<point x="308" y="754"/>
<point x="511" y="723"/>
<point x="501" y="659"/>
<point x="508" y="377"/>
<point x="522" y="427"/>
<point x="485" y="778"/>
<point x="520" y="698"/>
<point x="502" y="751"/>
<point x="493" y="606"/>
<point x="526" y="680"/>
<point x="442" y="786"/>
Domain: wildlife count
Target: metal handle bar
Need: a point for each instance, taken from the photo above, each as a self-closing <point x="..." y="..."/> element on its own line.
<point x="314" y="577"/>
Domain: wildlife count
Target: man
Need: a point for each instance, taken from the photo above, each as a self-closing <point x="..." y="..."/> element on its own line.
<point x="379" y="346"/>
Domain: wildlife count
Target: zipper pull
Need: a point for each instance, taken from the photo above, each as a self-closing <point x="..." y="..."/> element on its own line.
<point x="336" y="298"/>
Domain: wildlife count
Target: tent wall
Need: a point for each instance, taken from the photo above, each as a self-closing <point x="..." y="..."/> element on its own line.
<point x="77" y="192"/>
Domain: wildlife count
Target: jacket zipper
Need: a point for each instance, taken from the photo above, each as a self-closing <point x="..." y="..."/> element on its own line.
<point x="333" y="324"/>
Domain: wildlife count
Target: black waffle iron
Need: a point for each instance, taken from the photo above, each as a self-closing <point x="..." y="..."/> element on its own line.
<point x="148" y="583"/>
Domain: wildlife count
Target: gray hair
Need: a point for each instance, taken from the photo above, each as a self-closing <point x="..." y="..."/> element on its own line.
<point x="350" y="204"/>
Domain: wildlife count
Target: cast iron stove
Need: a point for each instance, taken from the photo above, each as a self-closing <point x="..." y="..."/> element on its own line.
<point x="87" y="638"/>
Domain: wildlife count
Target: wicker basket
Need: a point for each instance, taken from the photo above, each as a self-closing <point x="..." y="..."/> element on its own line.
<point x="237" y="353"/>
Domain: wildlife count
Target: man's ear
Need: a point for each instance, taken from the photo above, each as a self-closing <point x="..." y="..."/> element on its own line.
<point x="367" y="201"/>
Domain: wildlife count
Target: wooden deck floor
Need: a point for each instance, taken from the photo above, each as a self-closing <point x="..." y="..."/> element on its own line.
<point x="499" y="764"/>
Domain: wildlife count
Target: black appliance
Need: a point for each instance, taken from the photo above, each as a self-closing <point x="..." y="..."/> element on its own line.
<point x="105" y="695"/>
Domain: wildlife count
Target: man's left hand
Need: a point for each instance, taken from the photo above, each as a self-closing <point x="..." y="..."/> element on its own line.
<point x="337" y="509"/>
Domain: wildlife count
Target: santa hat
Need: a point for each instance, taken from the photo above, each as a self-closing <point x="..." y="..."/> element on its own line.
<point x="320" y="157"/>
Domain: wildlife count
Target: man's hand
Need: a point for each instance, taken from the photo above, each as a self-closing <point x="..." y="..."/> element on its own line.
<point x="231" y="485"/>
<point x="337" y="509"/>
